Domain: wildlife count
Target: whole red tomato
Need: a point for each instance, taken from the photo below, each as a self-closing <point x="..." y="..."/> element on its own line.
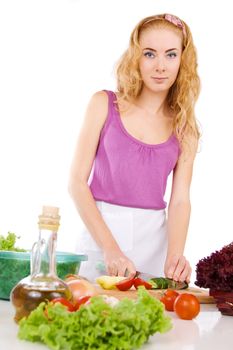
<point x="168" y="299"/>
<point x="187" y="306"/>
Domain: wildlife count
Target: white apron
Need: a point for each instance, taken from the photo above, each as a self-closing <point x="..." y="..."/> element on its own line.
<point x="140" y="233"/>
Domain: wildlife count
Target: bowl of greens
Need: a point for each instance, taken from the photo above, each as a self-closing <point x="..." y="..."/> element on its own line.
<point x="15" y="264"/>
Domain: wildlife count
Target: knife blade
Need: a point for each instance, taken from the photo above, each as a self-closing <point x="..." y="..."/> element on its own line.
<point x="144" y="275"/>
<point x="157" y="282"/>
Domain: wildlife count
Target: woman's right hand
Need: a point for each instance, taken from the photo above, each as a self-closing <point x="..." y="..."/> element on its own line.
<point x="117" y="264"/>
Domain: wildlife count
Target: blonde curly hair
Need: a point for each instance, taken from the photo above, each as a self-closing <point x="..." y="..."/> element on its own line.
<point x="182" y="95"/>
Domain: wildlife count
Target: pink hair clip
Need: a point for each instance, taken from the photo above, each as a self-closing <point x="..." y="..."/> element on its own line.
<point x="176" y="21"/>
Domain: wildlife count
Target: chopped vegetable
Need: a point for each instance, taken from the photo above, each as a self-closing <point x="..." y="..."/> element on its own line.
<point x="165" y="283"/>
<point x="125" y="284"/>
<point x="8" y="243"/>
<point x="216" y="271"/>
<point x="15" y="265"/>
<point x="109" y="282"/>
<point x="64" y="266"/>
<point x="11" y="271"/>
<point x="125" y="326"/>
<point x="65" y="302"/>
<point x="140" y="282"/>
<point x="81" y="301"/>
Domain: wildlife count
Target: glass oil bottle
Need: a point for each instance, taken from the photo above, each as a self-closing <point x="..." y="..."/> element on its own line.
<point x="43" y="283"/>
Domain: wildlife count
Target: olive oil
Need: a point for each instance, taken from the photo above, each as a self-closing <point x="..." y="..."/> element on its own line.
<point x="43" y="283"/>
<point x="26" y="298"/>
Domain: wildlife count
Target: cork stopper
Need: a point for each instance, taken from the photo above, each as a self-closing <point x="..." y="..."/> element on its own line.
<point x="50" y="218"/>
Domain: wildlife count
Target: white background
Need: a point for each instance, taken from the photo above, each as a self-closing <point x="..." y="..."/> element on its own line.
<point x="54" y="54"/>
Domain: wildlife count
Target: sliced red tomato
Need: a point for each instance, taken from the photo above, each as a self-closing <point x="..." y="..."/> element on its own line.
<point x="125" y="284"/>
<point x="65" y="302"/>
<point x="81" y="301"/>
<point x="168" y="299"/>
<point x="140" y="282"/>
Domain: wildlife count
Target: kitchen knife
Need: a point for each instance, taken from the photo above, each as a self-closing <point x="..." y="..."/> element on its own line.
<point x="156" y="282"/>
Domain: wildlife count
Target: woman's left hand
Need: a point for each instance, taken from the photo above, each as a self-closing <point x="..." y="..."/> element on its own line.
<point x="177" y="268"/>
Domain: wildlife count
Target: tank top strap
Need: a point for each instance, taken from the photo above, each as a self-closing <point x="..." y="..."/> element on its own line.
<point x="111" y="95"/>
<point x="112" y="109"/>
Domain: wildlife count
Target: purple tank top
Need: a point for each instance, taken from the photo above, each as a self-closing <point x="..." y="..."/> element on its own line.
<point x="128" y="171"/>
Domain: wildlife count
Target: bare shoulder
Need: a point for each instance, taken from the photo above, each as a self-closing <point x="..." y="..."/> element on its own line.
<point x="98" y="107"/>
<point x="100" y="97"/>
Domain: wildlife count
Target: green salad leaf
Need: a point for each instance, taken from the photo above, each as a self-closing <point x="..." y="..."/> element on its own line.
<point x="8" y="243"/>
<point x="98" y="325"/>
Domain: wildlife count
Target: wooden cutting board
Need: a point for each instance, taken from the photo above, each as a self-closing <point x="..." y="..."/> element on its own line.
<point x="201" y="294"/>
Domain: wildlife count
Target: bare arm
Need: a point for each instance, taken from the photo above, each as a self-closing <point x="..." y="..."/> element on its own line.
<point x="96" y="114"/>
<point x="176" y="266"/>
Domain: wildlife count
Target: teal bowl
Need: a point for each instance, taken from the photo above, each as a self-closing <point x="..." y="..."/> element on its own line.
<point x="14" y="266"/>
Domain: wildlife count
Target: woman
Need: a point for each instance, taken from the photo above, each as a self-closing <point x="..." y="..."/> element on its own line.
<point x="132" y="140"/>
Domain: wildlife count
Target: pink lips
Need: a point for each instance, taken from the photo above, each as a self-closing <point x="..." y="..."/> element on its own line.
<point x="159" y="79"/>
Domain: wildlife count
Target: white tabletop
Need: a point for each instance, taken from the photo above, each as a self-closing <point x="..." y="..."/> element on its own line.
<point x="209" y="331"/>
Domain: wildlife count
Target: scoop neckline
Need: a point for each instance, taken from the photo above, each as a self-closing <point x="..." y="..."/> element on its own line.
<point x="125" y="131"/>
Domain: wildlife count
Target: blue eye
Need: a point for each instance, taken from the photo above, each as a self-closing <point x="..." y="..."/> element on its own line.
<point x="149" y="54"/>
